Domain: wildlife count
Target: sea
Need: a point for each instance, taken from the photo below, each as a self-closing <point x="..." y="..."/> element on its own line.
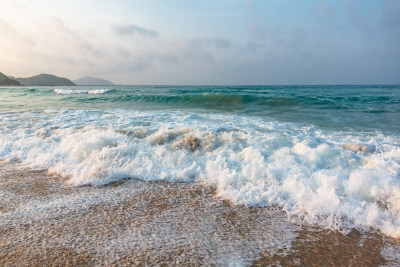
<point x="201" y="175"/>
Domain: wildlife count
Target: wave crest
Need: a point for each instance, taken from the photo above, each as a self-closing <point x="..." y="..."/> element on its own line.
<point x="73" y="92"/>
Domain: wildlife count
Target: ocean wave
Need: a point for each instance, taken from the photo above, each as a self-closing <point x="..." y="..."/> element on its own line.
<point x="335" y="107"/>
<point x="90" y="92"/>
<point x="209" y="99"/>
<point x="317" y="176"/>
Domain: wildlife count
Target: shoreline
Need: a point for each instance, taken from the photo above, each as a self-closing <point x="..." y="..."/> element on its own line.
<point x="132" y="222"/>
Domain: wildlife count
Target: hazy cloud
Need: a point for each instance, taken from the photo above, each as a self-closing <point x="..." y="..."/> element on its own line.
<point x="270" y="42"/>
<point x="47" y="45"/>
<point x="219" y="43"/>
<point x="5" y="27"/>
<point x="205" y="50"/>
<point x="133" y="30"/>
<point x="18" y="5"/>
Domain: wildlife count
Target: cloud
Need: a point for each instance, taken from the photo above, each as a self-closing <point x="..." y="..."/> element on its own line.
<point x="5" y="27"/>
<point x="47" y="45"/>
<point x="330" y="46"/>
<point x="18" y="5"/>
<point x="205" y="50"/>
<point x="133" y="30"/>
<point x="219" y="43"/>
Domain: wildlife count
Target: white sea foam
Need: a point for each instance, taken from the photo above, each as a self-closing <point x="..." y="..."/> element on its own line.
<point x="90" y="92"/>
<point x="192" y="222"/>
<point x="251" y="161"/>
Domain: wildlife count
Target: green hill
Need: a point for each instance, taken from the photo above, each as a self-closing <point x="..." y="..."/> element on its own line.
<point x="6" y="81"/>
<point x="2" y="76"/>
<point x="45" y="80"/>
<point x="9" y="82"/>
<point x="87" y="80"/>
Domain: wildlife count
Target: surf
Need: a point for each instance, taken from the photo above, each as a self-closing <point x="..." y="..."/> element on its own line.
<point x="310" y="173"/>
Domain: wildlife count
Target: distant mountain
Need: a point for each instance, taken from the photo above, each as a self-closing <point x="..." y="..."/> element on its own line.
<point x="9" y="82"/>
<point x="87" y="80"/>
<point x="6" y="81"/>
<point x="45" y="80"/>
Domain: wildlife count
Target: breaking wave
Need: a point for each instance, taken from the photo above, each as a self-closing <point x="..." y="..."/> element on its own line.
<point x="90" y="92"/>
<point x="339" y="180"/>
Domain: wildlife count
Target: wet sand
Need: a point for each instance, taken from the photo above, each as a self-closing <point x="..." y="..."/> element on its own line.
<point x="45" y="222"/>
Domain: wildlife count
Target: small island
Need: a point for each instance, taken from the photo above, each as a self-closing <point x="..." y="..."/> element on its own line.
<point x="88" y="80"/>
<point x="45" y="80"/>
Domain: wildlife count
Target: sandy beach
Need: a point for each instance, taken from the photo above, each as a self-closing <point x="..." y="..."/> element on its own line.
<point x="45" y="222"/>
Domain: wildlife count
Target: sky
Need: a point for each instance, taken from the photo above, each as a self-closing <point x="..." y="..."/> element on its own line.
<point x="208" y="42"/>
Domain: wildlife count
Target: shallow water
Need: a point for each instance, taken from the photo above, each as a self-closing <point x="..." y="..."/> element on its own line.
<point x="45" y="222"/>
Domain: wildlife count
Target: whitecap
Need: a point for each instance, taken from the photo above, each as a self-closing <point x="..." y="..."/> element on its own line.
<point x="90" y="92"/>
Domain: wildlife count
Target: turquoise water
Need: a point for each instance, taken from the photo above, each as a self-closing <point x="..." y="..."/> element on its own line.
<point x="327" y="155"/>
<point x="369" y="108"/>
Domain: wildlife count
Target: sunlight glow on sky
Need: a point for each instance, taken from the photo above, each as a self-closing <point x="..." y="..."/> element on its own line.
<point x="203" y="42"/>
